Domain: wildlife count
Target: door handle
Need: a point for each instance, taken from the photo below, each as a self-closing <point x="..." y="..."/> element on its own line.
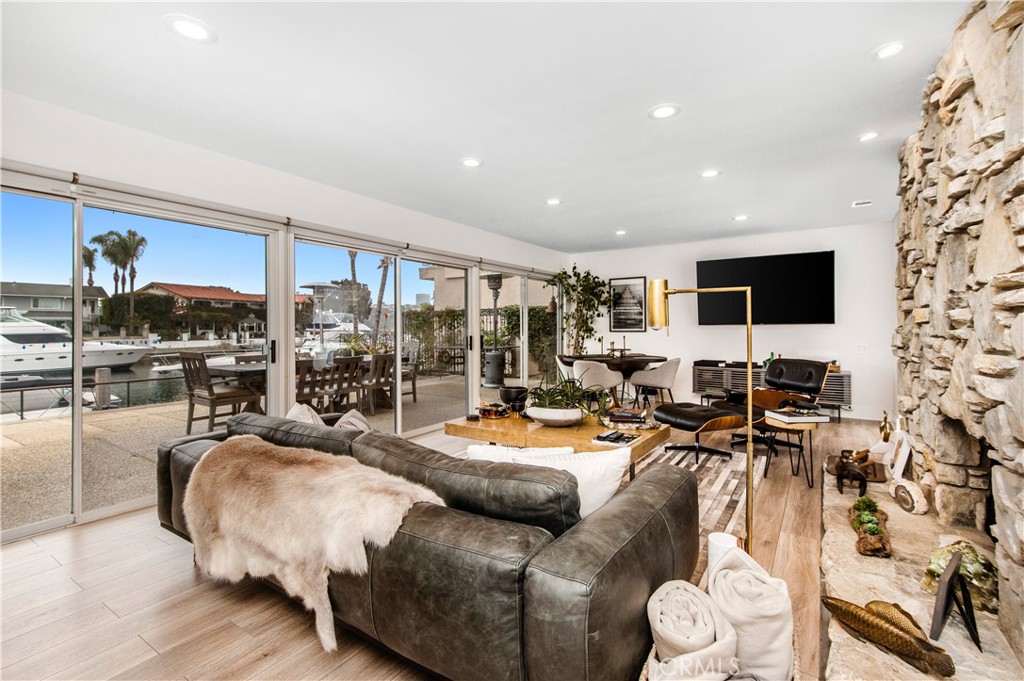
<point x="273" y="352"/>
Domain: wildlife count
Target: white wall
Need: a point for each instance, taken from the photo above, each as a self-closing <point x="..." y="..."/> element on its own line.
<point x="865" y="307"/>
<point x="50" y="136"/>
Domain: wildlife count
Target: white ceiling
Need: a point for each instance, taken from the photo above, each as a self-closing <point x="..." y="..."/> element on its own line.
<point x="383" y="99"/>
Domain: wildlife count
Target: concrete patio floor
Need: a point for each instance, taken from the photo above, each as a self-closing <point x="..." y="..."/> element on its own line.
<point x="119" y="452"/>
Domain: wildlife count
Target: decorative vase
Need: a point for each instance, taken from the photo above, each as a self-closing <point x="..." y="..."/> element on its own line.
<point x="557" y="418"/>
<point x="886" y="427"/>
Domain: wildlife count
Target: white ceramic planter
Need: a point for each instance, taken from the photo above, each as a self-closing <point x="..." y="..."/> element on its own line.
<point x="555" y="417"/>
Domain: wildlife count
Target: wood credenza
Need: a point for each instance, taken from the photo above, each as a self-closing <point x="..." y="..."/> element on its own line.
<point x="837" y="393"/>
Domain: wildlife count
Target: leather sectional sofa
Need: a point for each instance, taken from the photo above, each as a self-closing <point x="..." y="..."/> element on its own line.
<point x="505" y="582"/>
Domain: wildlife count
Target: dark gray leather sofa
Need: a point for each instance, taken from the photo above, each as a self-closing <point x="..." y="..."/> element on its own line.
<point x="505" y="582"/>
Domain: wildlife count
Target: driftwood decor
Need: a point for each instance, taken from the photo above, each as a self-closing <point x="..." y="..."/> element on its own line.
<point x="869" y="522"/>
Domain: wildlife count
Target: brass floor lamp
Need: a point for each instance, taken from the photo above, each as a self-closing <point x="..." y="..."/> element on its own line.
<point x="657" y="317"/>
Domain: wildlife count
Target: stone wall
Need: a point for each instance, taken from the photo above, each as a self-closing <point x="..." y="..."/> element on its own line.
<point x="960" y="290"/>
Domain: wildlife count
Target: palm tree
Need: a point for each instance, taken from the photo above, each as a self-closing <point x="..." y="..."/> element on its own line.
<point x="108" y="250"/>
<point x="89" y="262"/>
<point x="355" y="293"/>
<point x="134" y="246"/>
<point x="385" y="264"/>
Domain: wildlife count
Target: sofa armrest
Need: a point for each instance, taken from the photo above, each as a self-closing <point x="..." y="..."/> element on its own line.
<point x="447" y="592"/>
<point x="587" y="592"/>
<point x="172" y="476"/>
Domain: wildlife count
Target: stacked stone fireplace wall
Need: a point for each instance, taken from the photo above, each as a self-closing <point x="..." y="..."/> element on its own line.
<point x="960" y="291"/>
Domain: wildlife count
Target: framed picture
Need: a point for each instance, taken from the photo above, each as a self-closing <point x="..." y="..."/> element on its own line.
<point x="628" y="311"/>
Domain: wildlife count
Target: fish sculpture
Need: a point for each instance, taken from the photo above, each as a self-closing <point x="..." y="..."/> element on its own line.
<point x="892" y="629"/>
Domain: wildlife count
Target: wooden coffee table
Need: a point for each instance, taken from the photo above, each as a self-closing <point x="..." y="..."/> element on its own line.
<point x="521" y="432"/>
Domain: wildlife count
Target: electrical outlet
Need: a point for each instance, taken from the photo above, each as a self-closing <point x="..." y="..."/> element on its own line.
<point x="861" y="349"/>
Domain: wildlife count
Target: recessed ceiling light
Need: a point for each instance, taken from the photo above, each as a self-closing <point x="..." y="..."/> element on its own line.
<point x="868" y="136"/>
<point x="190" y="28"/>
<point x="553" y="201"/>
<point x="620" y="232"/>
<point x="740" y="218"/>
<point x="862" y="203"/>
<point x="710" y="172"/>
<point x="664" y="111"/>
<point x="471" y="162"/>
<point x="888" y="50"/>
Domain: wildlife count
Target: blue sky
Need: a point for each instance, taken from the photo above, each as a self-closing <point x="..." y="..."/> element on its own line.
<point x="37" y="235"/>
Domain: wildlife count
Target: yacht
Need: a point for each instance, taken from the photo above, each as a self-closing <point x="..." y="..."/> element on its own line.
<point x="32" y="348"/>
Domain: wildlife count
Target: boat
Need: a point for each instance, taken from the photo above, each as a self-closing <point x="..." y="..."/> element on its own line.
<point x="32" y="349"/>
<point x="167" y="363"/>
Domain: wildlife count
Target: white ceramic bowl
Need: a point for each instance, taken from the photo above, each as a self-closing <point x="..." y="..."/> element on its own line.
<point x="557" y="418"/>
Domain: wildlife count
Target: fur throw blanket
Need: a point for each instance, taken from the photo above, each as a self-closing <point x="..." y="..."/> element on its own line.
<point x="257" y="508"/>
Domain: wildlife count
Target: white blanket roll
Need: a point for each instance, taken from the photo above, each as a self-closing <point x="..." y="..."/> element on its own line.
<point x="693" y="638"/>
<point x="758" y="607"/>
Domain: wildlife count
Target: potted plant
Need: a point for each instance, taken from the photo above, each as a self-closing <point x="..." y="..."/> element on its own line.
<point x="564" y="403"/>
<point x="584" y="296"/>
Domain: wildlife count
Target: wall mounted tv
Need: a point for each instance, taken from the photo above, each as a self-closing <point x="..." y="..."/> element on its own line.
<point x="795" y="288"/>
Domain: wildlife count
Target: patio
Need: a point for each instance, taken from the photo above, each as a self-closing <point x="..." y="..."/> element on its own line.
<point x="119" y="454"/>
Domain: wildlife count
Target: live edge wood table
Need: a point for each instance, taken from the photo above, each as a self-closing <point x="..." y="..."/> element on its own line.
<point x="522" y="432"/>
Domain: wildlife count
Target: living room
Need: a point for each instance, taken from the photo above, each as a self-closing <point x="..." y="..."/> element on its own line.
<point x="52" y="132"/>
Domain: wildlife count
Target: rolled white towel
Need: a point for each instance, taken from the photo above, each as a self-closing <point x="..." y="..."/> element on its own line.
<point x="693" y="638"/>
<point x="758" y="607"/>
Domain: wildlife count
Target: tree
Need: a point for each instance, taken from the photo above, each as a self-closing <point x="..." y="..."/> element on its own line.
<point x="110" y="252"/>
<point x="355" y="314"/>
<point x="134" y="246"/>
<point x="584" y="295"/>
<point x="353" y="299"/>
<point x="385" y="264"/>
<point x="89" y="262"/>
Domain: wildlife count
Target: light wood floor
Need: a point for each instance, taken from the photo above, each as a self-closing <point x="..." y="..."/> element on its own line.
<point x="120" y="598"/>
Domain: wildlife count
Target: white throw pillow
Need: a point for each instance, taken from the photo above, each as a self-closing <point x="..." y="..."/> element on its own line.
<point x="353" y="419"/>
<point x="303" y="413"/>
<point x="598" y="474"/>
<point x="505" y="454"/>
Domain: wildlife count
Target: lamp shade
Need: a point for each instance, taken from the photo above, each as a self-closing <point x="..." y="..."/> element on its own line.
<point x="657" y="303"/>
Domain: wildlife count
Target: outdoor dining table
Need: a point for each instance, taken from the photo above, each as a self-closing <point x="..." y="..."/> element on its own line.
<point x="251" y="375"/>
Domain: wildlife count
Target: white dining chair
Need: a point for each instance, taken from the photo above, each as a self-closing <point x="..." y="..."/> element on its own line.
<point x="660" y="378"/>
<point x="591" y="374"/>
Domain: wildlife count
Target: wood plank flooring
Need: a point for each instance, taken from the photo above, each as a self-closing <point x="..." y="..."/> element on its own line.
<point x="120" y="598"/>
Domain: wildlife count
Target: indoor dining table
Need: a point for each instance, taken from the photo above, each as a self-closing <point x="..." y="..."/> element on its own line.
<point x="628" y="364"/>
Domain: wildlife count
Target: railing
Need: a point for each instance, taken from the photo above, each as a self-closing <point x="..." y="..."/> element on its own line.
<point x="65" y="389"/>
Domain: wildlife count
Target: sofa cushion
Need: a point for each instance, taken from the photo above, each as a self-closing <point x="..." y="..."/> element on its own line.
<point x="543" y="497"/>
<point x="506" y="454"/>
<point x="598" y="474"/>
<point x="289" y="433"/>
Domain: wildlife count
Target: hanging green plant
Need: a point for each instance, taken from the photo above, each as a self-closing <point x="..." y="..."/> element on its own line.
<point x="584" y="297"/>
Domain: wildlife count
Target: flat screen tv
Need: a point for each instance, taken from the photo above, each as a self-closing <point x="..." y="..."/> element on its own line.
<point x="795" y="288"/>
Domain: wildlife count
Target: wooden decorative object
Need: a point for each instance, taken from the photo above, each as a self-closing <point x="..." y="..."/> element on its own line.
<point x="872" y="544"/>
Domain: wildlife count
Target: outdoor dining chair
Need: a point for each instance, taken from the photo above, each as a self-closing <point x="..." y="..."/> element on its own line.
<point x="347" y="380"/>
<point x="380" y="377"/>
<point x="204" y="391"/>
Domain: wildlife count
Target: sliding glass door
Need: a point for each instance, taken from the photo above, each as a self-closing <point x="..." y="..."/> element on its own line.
<point x="344" y="309"/>
<point x="81" y="429"/>
<point x="37" y="361"/>
<point x="518" y="332"/>
<point x="434" y="348"/>
<point x="175" y="289"/>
